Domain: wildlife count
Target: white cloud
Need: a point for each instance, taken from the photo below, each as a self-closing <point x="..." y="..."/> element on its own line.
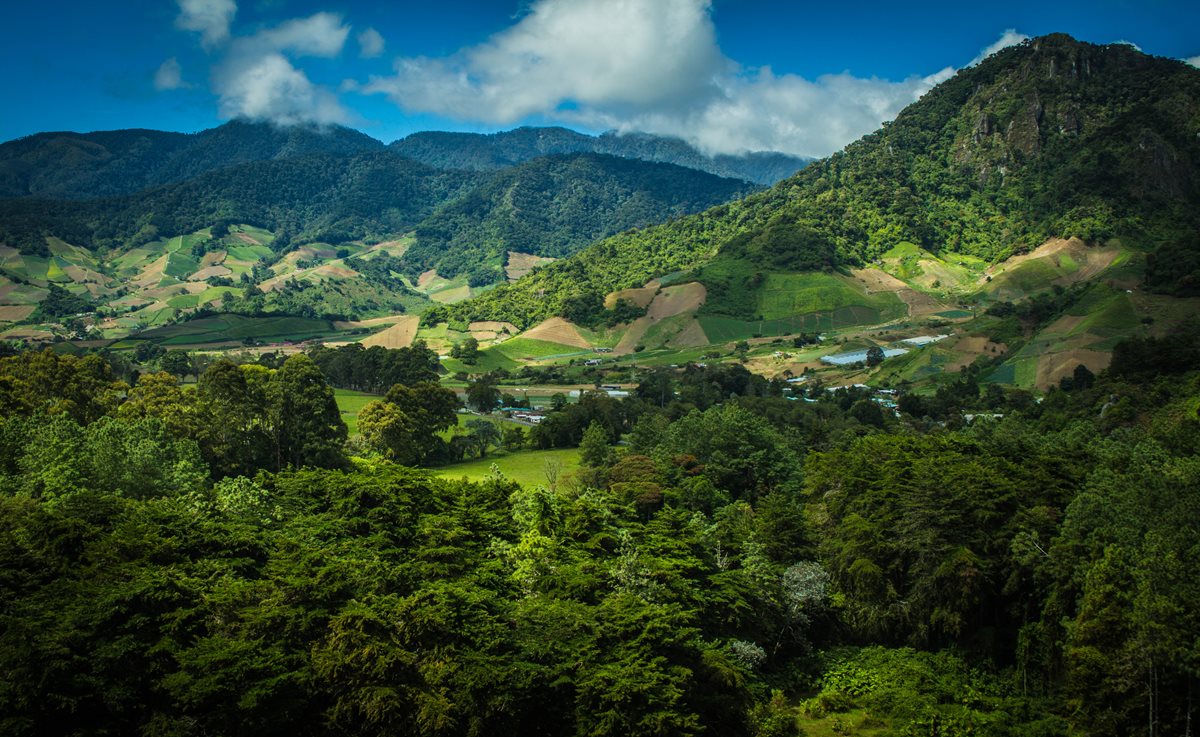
<point x="269" y="88"/>
<point x="1010" y="37"/>
<point x="653" y="66"/>
<point x="257" y="80"/>
<point x="209" y="18"/>
<point x="322" y="34"/>
<point x="370" y="44"/>
<point x="608" y="53"/>
<point x="169" y="76"/>
<point x="1194" y="61"/>
<point x="1123" y="42"/>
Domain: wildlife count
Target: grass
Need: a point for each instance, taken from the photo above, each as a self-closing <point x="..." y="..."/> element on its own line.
<point x="350" y="403"/>
<point x="180" y="265"/>
<point x="787" y="295"/>
<point x="526" y="467"/>
<point x="854" y="721"/>
<point x="248" y="253"/>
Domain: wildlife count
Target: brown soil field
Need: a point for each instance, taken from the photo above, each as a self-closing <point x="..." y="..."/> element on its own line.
<point x="82" y="275"/>
<point x="152" y="274"/>
<point x="519" y="264"/>
<point x="677" y="300"/>
<point x="557" y="330"/>
<point x="400" y="335"/>
<point x="26" y="334"/>
<point x="1053" y="366"/>
<point x="369" y="323"/>
<point x="426" y="278"/>
<point x="970" y="347"/>
<point x="632" y="336"/>
<point x="640" y="296"/>
<point x="878" y="281"/>
<point x="213" y="258"/>
<point x="16" y="313"/>
<point x="334" y="270"/>
<point x="247" y="239"/>
<point x="209" y="272"/>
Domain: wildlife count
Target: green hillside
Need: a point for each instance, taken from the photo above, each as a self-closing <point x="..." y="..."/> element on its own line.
<point x="992" y="162"/>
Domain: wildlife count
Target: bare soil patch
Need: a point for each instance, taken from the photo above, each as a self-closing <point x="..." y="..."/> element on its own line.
<point x="557" y="330"/>
<point x="400" y="335"/>
<point x="878" y="281"/>
<point x="640" y="296"/>
<point x="677" y="300"/>
<point x="16" y="313"/>
<point x="519" y="264"/>
<point x="26" y="334"/>
<point x="970" y="347"/>
<point x="368" y="323"/>
<point x="633" y="336"/>
<point x="1052" y="367"/>
<point x="213" y="258"/>
<point x="209" y="272"/>
<point x="334" y="270"/>
<point x="152" y="274"/>
<point x="426" y="278"/>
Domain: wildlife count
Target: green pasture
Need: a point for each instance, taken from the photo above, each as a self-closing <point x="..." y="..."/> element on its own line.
<point x="350" y="403"/>
<point x="526" y="467"/>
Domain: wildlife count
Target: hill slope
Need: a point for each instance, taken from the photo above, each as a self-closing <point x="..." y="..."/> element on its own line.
<point x="1052" y="138"/>
<point x="554" y="206"/>
<point x="482" y="152"/>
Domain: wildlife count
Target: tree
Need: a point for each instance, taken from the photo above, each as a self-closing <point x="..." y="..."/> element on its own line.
<point x="309" y="430"/>
<point x="177" y="363"/>
<point x="513" y="437"/>
<point x="466" y="351"/>
<point x="483" y="434"/>
<point x="594" y="450"/>
<point x="388" y="431"/>
<point x="483" y="395"/>
<point x="874" y="356"/>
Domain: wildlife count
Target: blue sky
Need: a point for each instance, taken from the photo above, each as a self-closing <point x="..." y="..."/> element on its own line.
<point x="729" y="75"/>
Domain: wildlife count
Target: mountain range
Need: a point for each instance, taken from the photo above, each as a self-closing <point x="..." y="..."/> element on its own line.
<point x="65" y="165"/>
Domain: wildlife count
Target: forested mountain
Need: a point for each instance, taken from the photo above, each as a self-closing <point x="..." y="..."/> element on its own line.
<point x="1053" y="137"/>
<point x="465" y="221"/>
<point x="554" y="206"/>
<point x="483" y="152"/>
<point x="108" y="163"/>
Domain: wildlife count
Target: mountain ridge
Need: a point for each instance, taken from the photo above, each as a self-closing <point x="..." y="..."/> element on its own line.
<point x="485" y="151"/>
<point x="71" y="165"/>
<point x="1053" y="137"/>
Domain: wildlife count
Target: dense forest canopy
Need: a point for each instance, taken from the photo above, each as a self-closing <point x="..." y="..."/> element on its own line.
<point x="219" y="560"/>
